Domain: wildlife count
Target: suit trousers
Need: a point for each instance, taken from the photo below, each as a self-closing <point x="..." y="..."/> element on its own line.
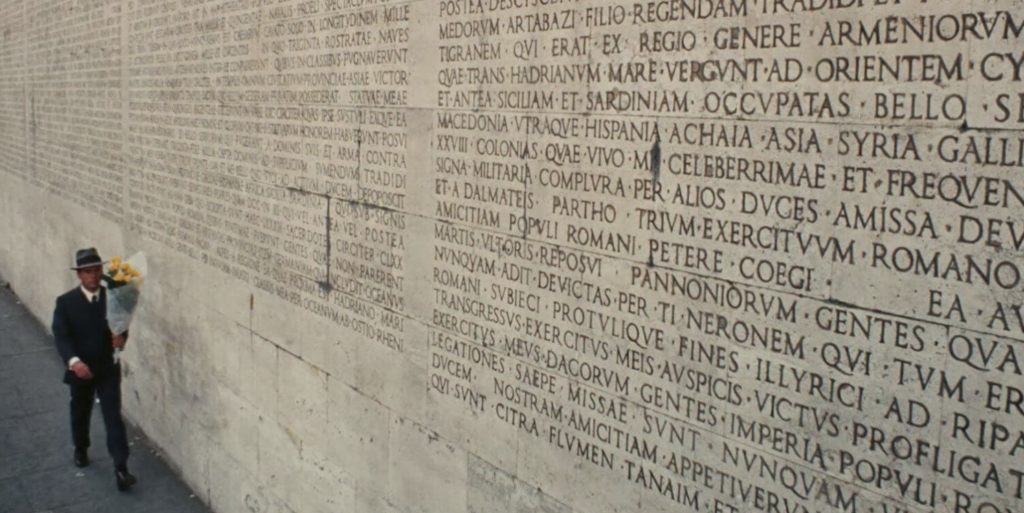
<point x="83" y="393"/>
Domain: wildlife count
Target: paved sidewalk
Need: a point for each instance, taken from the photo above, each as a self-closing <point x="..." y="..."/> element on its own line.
<point x="36" y="471"/>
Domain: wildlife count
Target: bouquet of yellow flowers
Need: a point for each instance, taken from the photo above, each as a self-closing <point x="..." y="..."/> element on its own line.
<point x="120" y="273"/>
<point x="124" y="288"/>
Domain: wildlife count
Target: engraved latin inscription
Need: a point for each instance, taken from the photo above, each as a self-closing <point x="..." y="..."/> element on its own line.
<point x="743" y="256"/>
<point x="269" y="142"/>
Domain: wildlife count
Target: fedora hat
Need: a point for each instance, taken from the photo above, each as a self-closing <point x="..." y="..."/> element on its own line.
<point x="85" y="258"/>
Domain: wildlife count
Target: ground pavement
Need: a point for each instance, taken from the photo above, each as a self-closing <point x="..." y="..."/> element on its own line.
<point x="36" y="470"/>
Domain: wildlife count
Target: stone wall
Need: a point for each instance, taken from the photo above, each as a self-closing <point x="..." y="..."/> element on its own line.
<point x="543" y="255"/>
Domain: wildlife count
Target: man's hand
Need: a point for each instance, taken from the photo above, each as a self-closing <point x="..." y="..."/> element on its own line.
<point x="119" y="341"/>
<point x="81" y="370"/>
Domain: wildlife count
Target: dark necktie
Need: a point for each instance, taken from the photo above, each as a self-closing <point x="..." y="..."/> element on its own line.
<point x="95" y="299"/>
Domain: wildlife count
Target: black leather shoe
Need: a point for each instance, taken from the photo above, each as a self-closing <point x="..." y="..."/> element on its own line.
<point x="81" y="457"/>
<point x="124" y="479"/>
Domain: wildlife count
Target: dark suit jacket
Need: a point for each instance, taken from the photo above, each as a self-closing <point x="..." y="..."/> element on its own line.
<point x="80" y="329"/>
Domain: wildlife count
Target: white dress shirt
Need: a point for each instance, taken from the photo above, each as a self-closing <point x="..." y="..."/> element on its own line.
<point x="88" y="297"/>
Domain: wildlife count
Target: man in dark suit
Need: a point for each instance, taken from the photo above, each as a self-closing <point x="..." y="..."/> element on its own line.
<point x="87" y="345"/>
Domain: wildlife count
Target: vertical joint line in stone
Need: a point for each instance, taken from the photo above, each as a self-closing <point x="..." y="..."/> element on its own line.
<point x="526" y="187"/>
<point x="327" y="279"/>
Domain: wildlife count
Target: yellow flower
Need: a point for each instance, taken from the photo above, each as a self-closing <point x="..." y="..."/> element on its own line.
<point x="120" y="277"/>
<point x="125" y="267"/>
<point x="115" y="262"/>
<point x="113" y="268"/>
<point x="133" y="273"/>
